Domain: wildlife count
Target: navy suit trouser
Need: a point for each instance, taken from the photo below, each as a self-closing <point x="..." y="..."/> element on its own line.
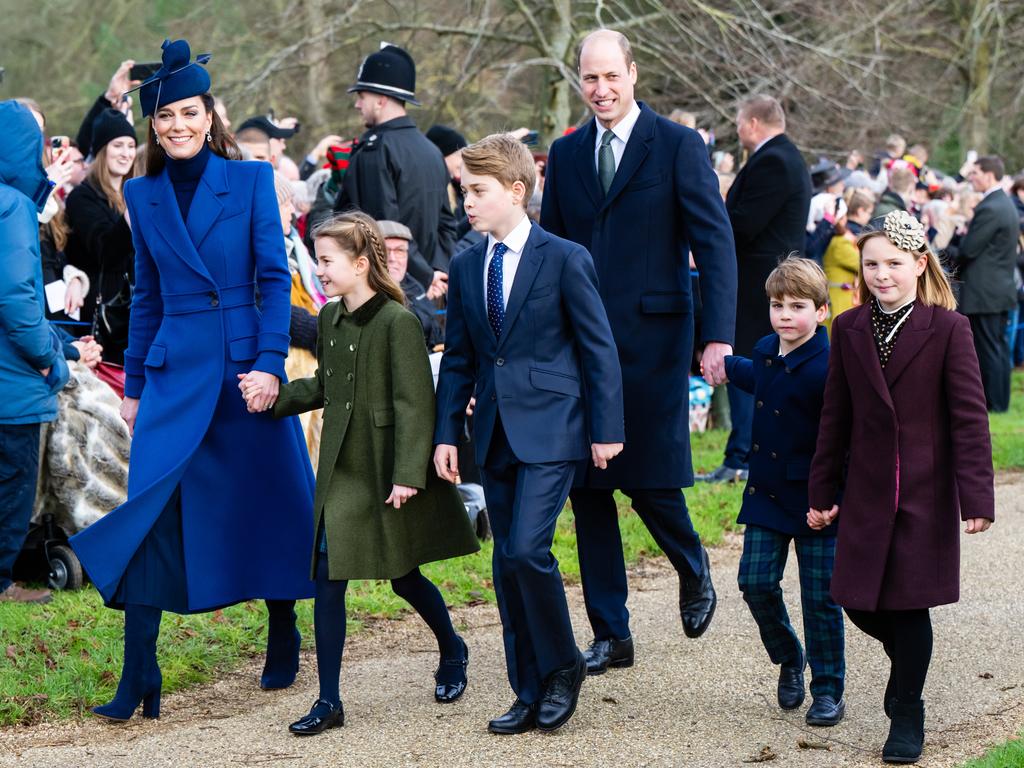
<point x="602" y="565"/>
<point x="741" y="413"/>
<point x="523" y="502"/>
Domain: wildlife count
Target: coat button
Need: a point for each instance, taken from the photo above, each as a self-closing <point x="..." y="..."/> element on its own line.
<point x="759" y="403"/>
<point x="351" y="347"/>
<point x="349" y="377"/>
<point x="775" y="455"/>
<point x="499" y="362"/>
<point x="330" y="371"/>
<point x="348" y="406"/>
<point x="332" y="342"/>
<point x="750" y="491"/>
<point x="776" y="412"/>
<point x="771" y="496"/>
<point x="214" y="299"/>
<point x="768" y="363"/>
<point x="327" y="400"/>
<point x="493" y="398"/>
<point x="788" y="370"/>
<point x="755" y="447"/>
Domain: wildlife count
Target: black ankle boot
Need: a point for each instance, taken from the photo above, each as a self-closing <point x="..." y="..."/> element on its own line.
<point x="283" y="645"/>
<point x="906" y="733"/>
<point x="140" y="676"/>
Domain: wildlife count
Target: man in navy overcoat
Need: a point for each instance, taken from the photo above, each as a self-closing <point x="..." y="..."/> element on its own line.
<point x="638" y="191"/>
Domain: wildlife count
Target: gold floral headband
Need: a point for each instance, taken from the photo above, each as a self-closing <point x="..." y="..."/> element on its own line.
<point x="905" y="232"/>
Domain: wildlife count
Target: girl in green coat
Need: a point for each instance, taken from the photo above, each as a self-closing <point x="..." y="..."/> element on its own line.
<point x="379" y="513"/>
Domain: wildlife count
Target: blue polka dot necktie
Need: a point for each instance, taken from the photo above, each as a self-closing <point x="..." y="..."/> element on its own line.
<point x="495" y="291"/>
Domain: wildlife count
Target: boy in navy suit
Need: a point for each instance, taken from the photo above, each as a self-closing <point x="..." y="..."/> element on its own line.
<point x="786" y="375"/>
<point x="527" y="336"/>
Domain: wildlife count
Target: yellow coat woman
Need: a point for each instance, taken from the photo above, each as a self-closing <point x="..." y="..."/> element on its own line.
<point x="842" y="266"/>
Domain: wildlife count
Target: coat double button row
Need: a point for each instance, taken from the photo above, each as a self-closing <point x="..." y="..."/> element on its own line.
<point x="760" y="404"/>
<point x="214" y="299"/>
<point x="756" y="447"/>
<point x="751" y="490"/>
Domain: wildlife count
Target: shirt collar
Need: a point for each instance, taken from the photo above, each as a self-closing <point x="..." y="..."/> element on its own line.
<point x="990" y="190"/>
<point x="759" y="146"/>
<point x="623" y="128"/>
<point x="515" y="240"/>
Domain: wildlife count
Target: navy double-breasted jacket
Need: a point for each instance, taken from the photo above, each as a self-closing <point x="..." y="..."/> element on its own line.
<point x="246" y="481"/>
<point x="663" y="201"/>
<point x="788" y="392"/>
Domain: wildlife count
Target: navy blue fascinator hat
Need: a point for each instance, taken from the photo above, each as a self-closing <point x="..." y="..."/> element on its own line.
<point x="179" y="78"/>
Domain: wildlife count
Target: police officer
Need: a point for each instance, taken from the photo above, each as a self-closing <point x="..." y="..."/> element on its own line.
<point x="395" y="173"/>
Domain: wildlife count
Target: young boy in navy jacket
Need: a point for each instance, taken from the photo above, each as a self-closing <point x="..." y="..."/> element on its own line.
<point x="786" y="375"/>
<point x="527" y="336"/>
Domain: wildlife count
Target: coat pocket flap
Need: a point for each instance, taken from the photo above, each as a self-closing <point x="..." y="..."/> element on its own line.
<point x="551" y="381"/>
<point x="664" y="303"/>
<point x="539" y="292"/>
<point x="384" y="417"/>
<point x="243" y="349"/>
<point x="799" y="469"/>
<point x="157" y="355"/>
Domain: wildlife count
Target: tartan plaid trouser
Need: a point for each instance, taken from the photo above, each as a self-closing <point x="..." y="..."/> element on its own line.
<point x="761" y="567"/>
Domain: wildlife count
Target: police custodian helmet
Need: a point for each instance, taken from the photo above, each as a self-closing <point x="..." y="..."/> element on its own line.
<point x="390" y="72"/>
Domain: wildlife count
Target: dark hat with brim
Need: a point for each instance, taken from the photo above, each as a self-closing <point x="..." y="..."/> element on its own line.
<point x="179" y="78"/>
<point x="446" y="139"/>
<point x="109" y="125"/>
<point x="265" y="124"/>
<point x="389" y="72"/>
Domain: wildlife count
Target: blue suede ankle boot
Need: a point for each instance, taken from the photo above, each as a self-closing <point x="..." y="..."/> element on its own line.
<point x="140" y="676"/>
<point x="283" y="645"/>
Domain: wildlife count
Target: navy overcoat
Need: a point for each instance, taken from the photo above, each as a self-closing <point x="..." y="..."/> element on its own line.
<point x="663" y="200"/>
<point x="246" y="481"/>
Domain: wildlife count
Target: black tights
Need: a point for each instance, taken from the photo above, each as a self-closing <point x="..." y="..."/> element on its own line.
<point x="329" y="621"/>
<point x="906" y="637"/>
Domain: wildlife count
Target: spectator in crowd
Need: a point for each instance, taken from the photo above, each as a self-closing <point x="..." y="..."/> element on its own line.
<point x="895" y="147"/>
<point x="277" y="132"/>
<point x="222" y="112"/>
<point x="287" y="168"/>
<point x="451" y="143"/>
<point x="896" y="196"/>
<point x="115" y="97"/>
<point x="842" y="259"/>
<point x="100" y="243"/>
<point x="1017" y="195"/>
<point x="827" y="207"/>
<point x="395" y="173"/>
<point x="987" y="257"/>
<point x="684" y="118"/>
<point x="313" y="161"/>
<point x="397" y="238"/>
<point x="767" y="204"/>
<point x="32" y="367"/>
<point x="66" y="279"/>
<point x="255" y="145"/>
<point x="724" y="164"/>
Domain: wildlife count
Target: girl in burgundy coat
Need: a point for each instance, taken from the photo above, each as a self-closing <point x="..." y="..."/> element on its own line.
<point x="905" y="412"/>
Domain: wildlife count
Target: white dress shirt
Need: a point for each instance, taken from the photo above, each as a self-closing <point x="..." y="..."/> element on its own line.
<point x="515" y="241"/>
<point x="621" y="132"/>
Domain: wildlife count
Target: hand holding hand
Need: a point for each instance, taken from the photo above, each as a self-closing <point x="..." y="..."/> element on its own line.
<point x="818" y="519"/>
<point x="602" y="453"/>
<point x="399" y="495"/>
<point x="446" y="462"/>
<point x="90" y="353"/>
<point x="978" y="525"/>
<point x="259" y="389"/>
<point x="712" y="362"/>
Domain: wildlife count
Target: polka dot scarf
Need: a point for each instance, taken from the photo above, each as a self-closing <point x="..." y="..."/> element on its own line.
<point x="886" y="327"/>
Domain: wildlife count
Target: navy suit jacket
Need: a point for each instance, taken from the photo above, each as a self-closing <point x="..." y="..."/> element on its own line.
<point x="553" y="376"/>
<point x="663" y="200"/>
<point x="789" y="393"/>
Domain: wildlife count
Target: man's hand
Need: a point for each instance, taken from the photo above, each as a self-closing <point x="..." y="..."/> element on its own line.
<point x="818" y="518"/>
<point x="602" y="453"/>
<point x="446" y="462"/>
<point x="320" y="150"/>
<point x="439" y="286"/>
<point x="712" y="362"/>
<point x="471" y="407"/>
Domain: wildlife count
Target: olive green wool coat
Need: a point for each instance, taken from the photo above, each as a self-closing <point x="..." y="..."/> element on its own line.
<point x="374" y="383"/>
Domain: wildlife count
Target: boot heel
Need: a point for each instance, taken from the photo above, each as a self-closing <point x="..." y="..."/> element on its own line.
<point x="151" y="705"/>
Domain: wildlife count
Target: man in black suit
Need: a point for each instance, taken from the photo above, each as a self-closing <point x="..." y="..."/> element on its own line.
<point x="986" y="258"/>
<point x="768" y="205"/>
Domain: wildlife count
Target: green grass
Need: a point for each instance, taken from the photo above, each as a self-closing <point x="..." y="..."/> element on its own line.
<point x="1008" y="755"/>
<point x="64" y="657"/>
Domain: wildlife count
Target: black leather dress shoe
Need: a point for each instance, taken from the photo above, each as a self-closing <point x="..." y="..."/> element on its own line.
<point x="322" y="716"/>
<point x="825" y="711"/>
<point x="791" y="684"/>
<point x="520" y="718"/>
<point x="697" y="600"/>
<point x="450" y="678"/>
<point x="561" y="693"/>
<point x="603" y="654"/>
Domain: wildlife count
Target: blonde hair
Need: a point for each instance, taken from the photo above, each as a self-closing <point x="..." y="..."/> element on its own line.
<point x="100" y="177"/>
<point x="765" y="109"/>
<point x="858" y="200"/>
<point x="358" y="235"/>
<point x="933" y="289"/>
<point x="798" y="278"/>
<point x="504" y="157"/>
<point x="902" y="180"/>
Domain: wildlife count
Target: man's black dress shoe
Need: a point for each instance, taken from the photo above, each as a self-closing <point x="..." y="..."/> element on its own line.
<point x="520" y="718"/>
<point x="791" y="684"/>
<point x="562" y="692"/>
<point x="450" y="678"/>
<point x="825" y="711"/>
<point x="322" y="716"/>
<point x="697" y="600"/>
<point x="603" y="654"/>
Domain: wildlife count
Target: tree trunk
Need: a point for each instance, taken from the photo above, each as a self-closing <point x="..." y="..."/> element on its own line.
<point x="319" y="90"/>
<point x="557" y="111"/>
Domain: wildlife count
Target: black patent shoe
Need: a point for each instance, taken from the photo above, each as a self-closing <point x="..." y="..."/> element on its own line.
<point x="791" y="684"/>
<point x="697" y="600"/>
<point x="520" y="718"/>
<point x="561" y="693"/>
<point x="612" y="653"/>
<point x="450" y="677"/>
<point x="825" y="711"/>
<point x="322" y="716"/>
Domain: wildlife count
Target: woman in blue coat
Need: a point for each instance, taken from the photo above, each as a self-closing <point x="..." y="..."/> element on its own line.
<point x="220" y="501"/>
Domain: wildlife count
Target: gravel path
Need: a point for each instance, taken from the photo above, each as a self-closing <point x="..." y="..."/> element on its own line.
<point x="706" y="702"/>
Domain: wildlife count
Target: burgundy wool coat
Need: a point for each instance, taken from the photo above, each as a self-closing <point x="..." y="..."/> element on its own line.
<point x="920" y="459"/>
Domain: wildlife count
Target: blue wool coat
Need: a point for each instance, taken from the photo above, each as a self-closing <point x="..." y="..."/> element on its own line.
<point x="788" y="394"/>
<point x="246" y="481"/>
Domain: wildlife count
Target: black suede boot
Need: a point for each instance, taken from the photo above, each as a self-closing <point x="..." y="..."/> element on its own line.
<point x="283" y="645"/>
<point x="906" y="733"/>
<point x="140" y="676"/>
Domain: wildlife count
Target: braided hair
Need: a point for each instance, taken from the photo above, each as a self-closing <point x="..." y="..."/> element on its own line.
<point x="358" y="235"/>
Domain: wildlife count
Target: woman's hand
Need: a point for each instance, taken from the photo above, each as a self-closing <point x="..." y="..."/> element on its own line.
<point x="399" y="495"/>
<point x="129" y="410"/>
<point x="60" y="170"/>
<point x="90" y="353"/>
<point x="818" y="519"/>
<point x="260" y="390"/>
<point x="978" y="525"/>
<point x="74" y="296"/>
<point x="120" y="82"/>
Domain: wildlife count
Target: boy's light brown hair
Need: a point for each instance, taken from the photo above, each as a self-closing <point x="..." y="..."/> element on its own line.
<point x="504" y="157"/>
<point x="798" y="278"/>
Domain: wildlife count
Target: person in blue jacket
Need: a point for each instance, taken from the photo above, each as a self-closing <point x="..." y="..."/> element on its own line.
<point x="220" y="501"/>
<point x="32" y="367"/>
<point x="786" y="376"/>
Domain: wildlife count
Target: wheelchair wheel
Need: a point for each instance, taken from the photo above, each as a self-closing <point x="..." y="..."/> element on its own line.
<point x="65" y="570"/>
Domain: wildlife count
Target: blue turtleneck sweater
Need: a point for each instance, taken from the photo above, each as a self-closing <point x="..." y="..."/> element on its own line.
<point x="185" y="175"/>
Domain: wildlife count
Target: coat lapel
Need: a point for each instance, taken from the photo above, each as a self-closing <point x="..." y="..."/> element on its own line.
<point x="909" y="342"/>
<point x="168" y="222"/>
<point x="206" y="205"/>
<point x="637" y="147"/>
<point x="526" y="273"/>
<point x="863" y="344"/>
<point x="586" y="164"/>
